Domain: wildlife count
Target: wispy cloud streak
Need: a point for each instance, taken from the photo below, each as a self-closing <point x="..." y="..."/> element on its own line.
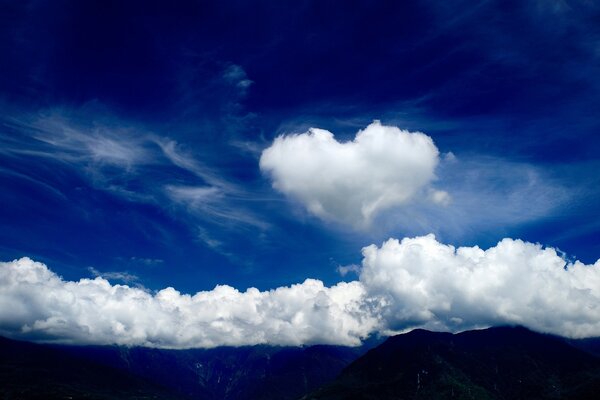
<point x="135" y="164"/>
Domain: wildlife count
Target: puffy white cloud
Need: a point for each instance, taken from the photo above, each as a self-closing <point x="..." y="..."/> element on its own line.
<point x="35" y="302"/>
<point x="429" y="284"/>
<point x="352" y="182"/>
<point x="415" y="282"/>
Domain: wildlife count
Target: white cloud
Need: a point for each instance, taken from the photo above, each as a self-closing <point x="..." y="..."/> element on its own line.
<point x="429" y="284"/>
<point x="344" y="270"/>
<point x="415" y="282"/>
<point x="352" y="182"/>
<point x="34" y="301"/>
<point x="102" y="144"/>
<point x="440" y="197"/>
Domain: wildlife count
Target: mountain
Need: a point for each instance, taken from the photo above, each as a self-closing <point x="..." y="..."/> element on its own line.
<point x="32" y="371"/>
<point x="589" y="345"/>
<point x="28" y="370"/>
<point x="228" y="373"/>
<point x="496" y="363"/>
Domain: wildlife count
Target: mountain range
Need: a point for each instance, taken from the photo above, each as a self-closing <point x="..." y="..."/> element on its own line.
<point x="495" y="363"/>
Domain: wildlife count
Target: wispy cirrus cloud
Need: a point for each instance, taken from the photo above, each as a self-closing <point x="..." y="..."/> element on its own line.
<point x="236" y="75"/>
<point x="133" y="163"/>
<point x="177" y="154"/>
<point x="211" y="202"/>
<point x="54" y="135"/>
<point x="121" y="276"/>
<point x="488" y="194"/>
<point x="147" y="261"/>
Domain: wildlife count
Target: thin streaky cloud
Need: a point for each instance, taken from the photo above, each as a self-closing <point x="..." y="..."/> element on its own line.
<point x="91" y="149"/>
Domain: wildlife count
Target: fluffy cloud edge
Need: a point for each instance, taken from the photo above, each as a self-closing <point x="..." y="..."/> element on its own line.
<point x="352" y="182"/>
<point x="437" y="286"/>
<point x="402" y="284"/>
<point x="35" y="302"/>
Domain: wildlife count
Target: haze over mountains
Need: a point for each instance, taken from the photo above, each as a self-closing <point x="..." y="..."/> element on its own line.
<point x="495" y="363"/>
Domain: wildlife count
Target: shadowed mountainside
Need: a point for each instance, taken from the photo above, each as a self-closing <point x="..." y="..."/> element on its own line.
<point x="229" y="373"/>
<point x="30" y="370"/>
<point x="496" y="363"/>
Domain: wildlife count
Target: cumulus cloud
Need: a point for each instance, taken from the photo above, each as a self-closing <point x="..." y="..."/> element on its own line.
<point x="428" y="284"/>
<point x="35" y="302"/>
<point x="415" y="282"/>
<point x="352" y="182"/>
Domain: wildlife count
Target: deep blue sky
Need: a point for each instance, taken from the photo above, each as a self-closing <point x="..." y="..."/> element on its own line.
<point x="92" y="93"/>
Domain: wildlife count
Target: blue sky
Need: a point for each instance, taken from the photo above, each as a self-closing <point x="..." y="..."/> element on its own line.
<point x="131" y="134"/>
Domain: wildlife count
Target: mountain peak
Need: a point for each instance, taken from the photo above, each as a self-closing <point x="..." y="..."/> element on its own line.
<point x="507" y="362"/>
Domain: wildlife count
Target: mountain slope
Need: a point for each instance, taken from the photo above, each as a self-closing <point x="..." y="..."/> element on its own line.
<point x="32" y="371"/>
<point x="496" y="363"/>
<point x="228" y="373"/>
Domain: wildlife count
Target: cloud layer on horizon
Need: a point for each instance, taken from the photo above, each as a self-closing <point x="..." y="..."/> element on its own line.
<point x="36" y="303"/>
<point x="354" y="181"/>
<point x="429" y="284"/>
<point x="415" y="282"/>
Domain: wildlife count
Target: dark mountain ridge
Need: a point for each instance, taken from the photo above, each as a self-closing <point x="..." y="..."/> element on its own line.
<point x="34" y="371"/>
<point x="222" y="373"/>
<point x="495" y="363"/>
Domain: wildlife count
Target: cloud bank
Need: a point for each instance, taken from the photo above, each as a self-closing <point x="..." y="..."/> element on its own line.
<point x="352" y="182"/>
<point x="415" y="282"/>
<point x="36" y="303"/>
<point x="429" y="284"/>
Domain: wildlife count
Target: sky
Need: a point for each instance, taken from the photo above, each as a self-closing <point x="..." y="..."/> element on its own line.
<point x="196" y="173"/>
